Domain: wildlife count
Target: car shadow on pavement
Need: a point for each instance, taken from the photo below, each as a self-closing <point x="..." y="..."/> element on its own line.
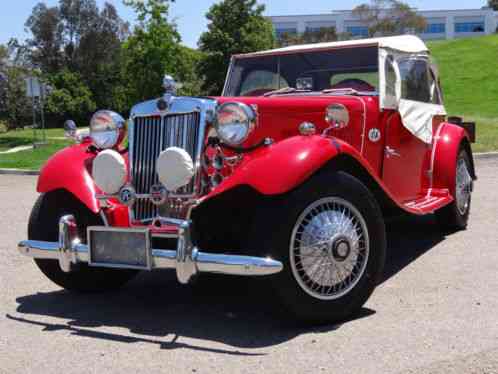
<point x="233" y="311"/>
<point x="237" y="312"/>
<point x="409" y="238"/>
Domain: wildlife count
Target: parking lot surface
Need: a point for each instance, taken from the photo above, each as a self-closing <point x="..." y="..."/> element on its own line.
<point x="436" y="310"/>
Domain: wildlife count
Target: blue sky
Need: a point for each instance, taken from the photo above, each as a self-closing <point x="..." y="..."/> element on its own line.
<point x="189" y="14"/>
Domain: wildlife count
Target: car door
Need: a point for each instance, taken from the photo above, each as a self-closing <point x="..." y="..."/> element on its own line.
<point x="406" y="164"/>
<point x="406" y="157"/>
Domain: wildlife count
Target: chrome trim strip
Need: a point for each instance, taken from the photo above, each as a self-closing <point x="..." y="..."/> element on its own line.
<point x="103" y="216"/>
<point x="364" y="115"/>
<point x="164" y="236"/>
<point x="435" y="141"/>
<point x="146" y="196"/>
<point x="157" y="114"/>
<point x="229" y="71"/>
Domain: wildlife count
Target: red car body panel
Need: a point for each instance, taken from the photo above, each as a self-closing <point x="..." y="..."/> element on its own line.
<point x="70" y="169"/>
<point x="278" y="168"/>
<point x="405" y="178"/>
<point x="449" y="139"/>
<point x="292" y="158"/>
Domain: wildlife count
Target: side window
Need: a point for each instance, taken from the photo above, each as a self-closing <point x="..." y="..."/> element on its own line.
<point x="415" y="79"/>
<point x="258" y="82"/>
<point x="390" y="77"/>
<point x="434" y="89"/>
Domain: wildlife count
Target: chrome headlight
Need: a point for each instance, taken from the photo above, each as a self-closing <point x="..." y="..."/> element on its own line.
<point x="234" y="122"/>
<point x="107" y="129"/>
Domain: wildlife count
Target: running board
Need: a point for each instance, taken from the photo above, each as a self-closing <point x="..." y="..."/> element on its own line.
<point x="432" y="201"/>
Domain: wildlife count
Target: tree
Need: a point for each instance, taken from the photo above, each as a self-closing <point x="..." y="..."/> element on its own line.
<point x="493" y="4"/>
<point x="78" y="18"/>
<point x="235" y="26"/>
<point x="389" y="17"/>
<point x="97" y="57"/>
<point x="14" y="104"/>
<point x="152" y="51"/>
<point x="70" y="98"/>
<point x="82" y="41"/>
<point x="188" y="76"/>
<point x="323" y="35"/>
<point x="46" y="44"/>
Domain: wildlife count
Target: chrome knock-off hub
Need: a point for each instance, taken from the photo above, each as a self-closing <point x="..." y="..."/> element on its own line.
<point x="341" y="248"/>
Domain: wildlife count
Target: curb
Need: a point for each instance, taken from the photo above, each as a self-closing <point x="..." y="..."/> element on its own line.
<point x="478" y="156"/>
<point x="19" y="172"/>
<point x="485" y="155"/>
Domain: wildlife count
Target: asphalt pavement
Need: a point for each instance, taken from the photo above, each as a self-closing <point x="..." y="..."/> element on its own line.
<point x="436" y="310"/>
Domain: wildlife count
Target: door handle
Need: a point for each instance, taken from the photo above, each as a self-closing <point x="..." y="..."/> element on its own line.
<point x="391" y="152"/>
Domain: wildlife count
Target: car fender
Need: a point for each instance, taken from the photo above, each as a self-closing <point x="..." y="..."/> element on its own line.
<point x="68" y="169"/>
<point x="448" y="140"/>
<point x="281" y="167"/>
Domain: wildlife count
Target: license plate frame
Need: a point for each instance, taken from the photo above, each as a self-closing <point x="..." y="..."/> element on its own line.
<point x="141" y="238"/>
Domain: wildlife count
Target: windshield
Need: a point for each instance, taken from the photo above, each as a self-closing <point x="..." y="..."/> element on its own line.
<point x="351" y="68"/>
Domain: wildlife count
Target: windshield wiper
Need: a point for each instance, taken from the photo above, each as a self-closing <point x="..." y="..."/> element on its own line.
<point x="341" y="91"/>
<point x="285" y="90"/>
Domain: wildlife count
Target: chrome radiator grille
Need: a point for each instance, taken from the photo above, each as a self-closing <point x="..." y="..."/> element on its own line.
<point x="150" y="136"/>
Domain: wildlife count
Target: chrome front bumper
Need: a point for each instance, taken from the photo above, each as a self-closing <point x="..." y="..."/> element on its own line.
<point x="187" y="259"/>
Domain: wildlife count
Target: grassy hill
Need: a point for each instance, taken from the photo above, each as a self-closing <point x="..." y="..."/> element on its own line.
<point x="469" y="74"/>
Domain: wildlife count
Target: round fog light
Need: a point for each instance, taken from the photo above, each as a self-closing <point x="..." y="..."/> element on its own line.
<point x="109" y="171"/>
<point x="175" y="168"/>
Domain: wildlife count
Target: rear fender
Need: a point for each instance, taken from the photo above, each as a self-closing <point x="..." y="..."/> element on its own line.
<point x="68" y="169"/>
<point x="449" y="139"/>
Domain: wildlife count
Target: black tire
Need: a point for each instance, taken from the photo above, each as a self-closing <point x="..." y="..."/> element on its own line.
<point x="273" y="231"/>
<point x="450" y="218"/>
<point x="43" y="225"/>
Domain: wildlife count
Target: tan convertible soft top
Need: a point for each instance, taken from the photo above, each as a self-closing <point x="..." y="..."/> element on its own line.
<point x="417" y="116"/>
<point x="402" y="43"/>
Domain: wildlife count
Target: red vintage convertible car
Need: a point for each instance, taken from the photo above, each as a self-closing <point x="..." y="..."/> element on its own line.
<point x="290" y="174"/>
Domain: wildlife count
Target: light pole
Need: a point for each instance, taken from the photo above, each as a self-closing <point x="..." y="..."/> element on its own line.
<point x="37" y="91"/>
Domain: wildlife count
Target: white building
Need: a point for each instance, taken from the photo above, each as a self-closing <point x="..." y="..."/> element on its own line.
<point x="441" y="24"/>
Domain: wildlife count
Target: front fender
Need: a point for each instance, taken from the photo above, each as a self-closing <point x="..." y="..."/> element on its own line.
<point x="281" y="167"/>
<point x="449" y="139"/>
<point x="68" y="169"/>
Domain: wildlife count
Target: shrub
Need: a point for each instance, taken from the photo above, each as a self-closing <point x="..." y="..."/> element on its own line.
<point x="3" y="127"/>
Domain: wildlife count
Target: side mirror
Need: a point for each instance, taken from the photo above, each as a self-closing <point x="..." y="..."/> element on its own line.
<point x="70" y="130"/>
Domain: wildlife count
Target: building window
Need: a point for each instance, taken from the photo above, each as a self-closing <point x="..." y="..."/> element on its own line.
<point x="469" y="27"/>
<point x="435" y="28"/>
<point x="357" y="30"/>
<point x="287" y="31"/>
<point x="315" y="29"/>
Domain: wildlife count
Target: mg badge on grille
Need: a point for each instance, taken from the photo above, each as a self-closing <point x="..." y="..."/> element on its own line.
<point x="127" y="195"/>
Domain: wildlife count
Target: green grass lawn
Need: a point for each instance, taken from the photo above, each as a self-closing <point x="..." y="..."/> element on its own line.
<point x="469" y="77"/>
<point x="31" y="159"/>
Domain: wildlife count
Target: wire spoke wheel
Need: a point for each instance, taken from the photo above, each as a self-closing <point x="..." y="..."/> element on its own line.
<point x="329" y="248"/>
<point x="463" y="186"/>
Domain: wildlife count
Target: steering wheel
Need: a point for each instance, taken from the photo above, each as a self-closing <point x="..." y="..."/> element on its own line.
<point x="354" y="83"/>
